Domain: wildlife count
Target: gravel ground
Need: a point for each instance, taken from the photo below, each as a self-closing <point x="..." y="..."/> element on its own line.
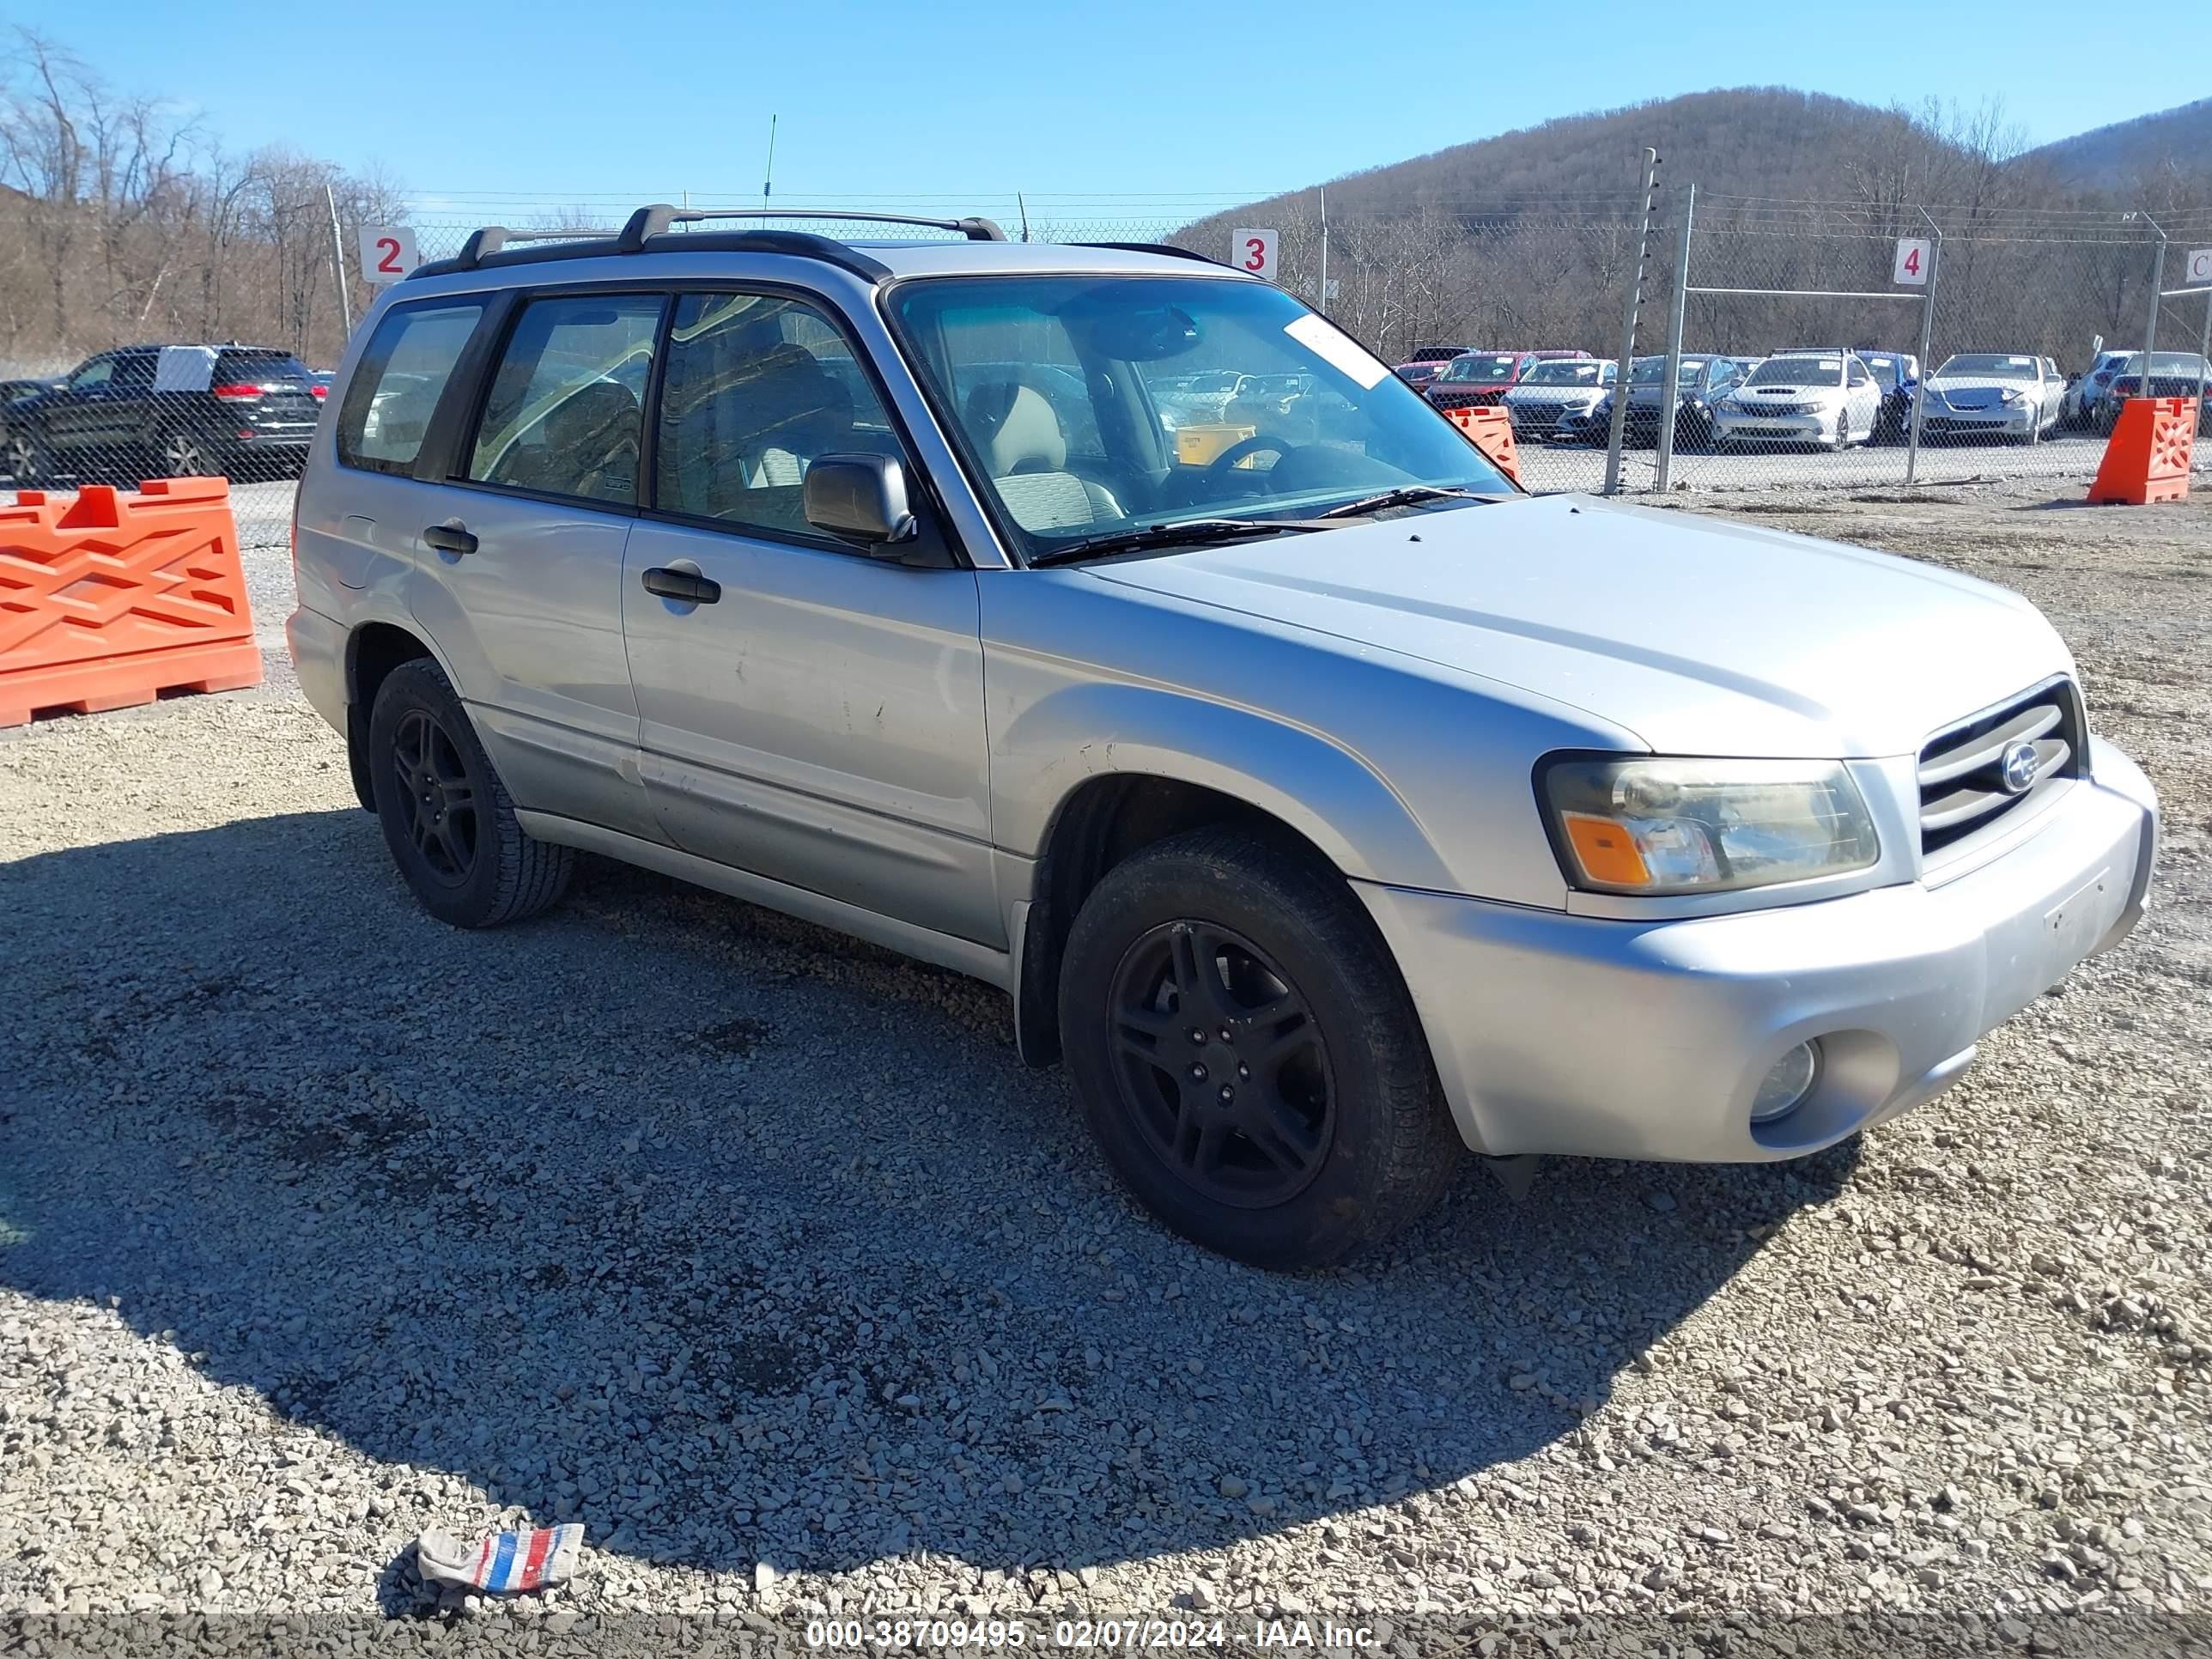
<point x="760" y="1253"/>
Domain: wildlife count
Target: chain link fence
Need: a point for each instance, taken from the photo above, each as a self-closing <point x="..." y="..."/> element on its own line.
<point x="1799" y="357"/>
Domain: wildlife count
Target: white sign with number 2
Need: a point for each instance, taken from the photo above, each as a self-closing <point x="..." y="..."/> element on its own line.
<point x="387" y="252"/>
<point x="1913" y="256"/>
<point x="1253" y="250"/>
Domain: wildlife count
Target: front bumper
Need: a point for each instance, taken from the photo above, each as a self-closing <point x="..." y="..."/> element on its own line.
<point x="1774" y="428"/>
<point x="2016" y="422"/>
<point x="1560" y="1034"/>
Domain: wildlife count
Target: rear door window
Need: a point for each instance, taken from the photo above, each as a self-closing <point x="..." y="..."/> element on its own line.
<point x="397" y="384"/>
<point x="566" y="412"/>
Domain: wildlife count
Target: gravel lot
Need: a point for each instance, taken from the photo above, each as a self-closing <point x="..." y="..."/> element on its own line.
<point x="759" y="1252"/>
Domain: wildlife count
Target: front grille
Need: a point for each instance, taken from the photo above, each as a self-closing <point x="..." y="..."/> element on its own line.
<point x="1962" y="785"/>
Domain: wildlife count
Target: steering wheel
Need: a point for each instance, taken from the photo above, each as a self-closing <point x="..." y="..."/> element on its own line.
<point x="1237" y="450"/>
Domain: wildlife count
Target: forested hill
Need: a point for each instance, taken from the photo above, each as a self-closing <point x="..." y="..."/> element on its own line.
<point x="1748" y="141"/>
<point x="2128" y="153"/>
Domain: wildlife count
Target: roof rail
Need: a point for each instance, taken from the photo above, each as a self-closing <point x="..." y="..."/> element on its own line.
<point x="648" y="224"/>
<point x="1167" y="248"/>
<point x="652" y="220"/>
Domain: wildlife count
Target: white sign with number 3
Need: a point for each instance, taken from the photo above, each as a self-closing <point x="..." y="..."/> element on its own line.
<point x="1913" y="254"/>
<point x="1253" y="250"/>
<point x="387" y="252"/>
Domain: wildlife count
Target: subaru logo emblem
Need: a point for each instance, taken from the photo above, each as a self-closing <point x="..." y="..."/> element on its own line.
<point x="2016" y="767"/>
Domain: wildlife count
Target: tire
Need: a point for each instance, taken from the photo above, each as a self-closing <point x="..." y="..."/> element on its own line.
<point x="1843" y="437"/>
<point x="1339" y="1140"/>
<point x="456" y="840"/>
<point x="182" y="454"/>
<point x="25" y="458"/>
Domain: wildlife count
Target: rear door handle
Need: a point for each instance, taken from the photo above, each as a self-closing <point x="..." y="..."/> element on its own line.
<point x="450" y="539"/>
<point x="688" y="586"/>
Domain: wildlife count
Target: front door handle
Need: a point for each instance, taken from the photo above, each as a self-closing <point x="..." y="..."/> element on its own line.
<point x="450" y="539"/>
<point x="687" y="586"/>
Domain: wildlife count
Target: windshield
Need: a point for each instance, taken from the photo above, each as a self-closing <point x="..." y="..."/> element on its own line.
<point x="1884" y="370"/>
<point x="1988" y="366"/>
<point x="1317" y="423"/>
<point x="1486" y="369"/>
<point x="1564" y="372"/>
<point x="1799" y="371"/>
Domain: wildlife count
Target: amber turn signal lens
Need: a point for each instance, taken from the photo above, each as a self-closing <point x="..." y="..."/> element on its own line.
<point x="1604" y="849"/>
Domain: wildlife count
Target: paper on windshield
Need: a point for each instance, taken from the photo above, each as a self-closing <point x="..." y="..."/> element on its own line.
<point x="1336" y="349"/>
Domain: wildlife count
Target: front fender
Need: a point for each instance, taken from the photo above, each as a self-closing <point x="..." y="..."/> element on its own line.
<point x="1084" y="730"/>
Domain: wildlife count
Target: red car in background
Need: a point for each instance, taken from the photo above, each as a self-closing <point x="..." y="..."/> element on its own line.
<point x="1418" y="376"/>
<point x="1481" y="378"/>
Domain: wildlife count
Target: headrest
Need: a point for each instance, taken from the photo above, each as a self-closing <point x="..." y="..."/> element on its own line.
<point x="1017" y="428"/>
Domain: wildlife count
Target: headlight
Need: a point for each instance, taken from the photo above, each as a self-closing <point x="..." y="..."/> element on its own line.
<point x="1703" y="826"/>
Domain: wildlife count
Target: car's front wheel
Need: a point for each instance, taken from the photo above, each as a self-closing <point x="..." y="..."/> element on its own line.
<point x="24" y="459"/>
<point x="1248" y="1057"/>
<point x="446" y="817"/>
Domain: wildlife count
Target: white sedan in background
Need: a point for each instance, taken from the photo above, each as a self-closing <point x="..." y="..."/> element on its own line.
<point x="1992" y="394"/>
<point x="1826" y="398"/>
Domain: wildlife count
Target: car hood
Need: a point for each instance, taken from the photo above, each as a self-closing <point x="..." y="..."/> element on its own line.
<point x="1540" y="393"/>
<point x="1757" y="394"/>
<point x="1700" y="636"/>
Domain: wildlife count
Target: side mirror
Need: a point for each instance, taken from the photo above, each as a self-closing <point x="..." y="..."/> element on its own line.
<point x="860" y="499"/>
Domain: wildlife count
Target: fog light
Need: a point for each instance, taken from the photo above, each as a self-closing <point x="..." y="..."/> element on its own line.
<point x="1786" y="1086"/>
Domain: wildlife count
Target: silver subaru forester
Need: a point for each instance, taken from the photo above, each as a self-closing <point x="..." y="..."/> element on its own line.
<point x="1324" y="799"/>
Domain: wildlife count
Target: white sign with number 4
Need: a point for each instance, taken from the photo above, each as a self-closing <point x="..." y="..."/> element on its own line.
<point x="1254" y="251"/>
<point x="387" y="252"/>
<point x="1913" y="254"/>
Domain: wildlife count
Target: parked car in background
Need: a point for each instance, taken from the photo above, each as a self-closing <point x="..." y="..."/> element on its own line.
<point x="2174" y="375"/>
<point x="1418" y="376"/>
<point x="2080" y="407"/>
<point x="1701" y="380"/>
<point x="1476" y="379"/>
<point x="1553" y="398"/>
<point x="1898" y="374"/>
<point x="1439" y="353"/>
<point x="1990" y="394"/>
<point x="1802" y="398"/>
<point x="170" y="411"/>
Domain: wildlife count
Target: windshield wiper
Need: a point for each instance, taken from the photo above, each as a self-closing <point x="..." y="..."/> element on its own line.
<point x="1183" y="531"/>
<point x="1407" y="495"/>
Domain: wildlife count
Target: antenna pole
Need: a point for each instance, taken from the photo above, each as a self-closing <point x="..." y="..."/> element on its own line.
<point x="767" y="184"/>
<point x="1024" y="207"/>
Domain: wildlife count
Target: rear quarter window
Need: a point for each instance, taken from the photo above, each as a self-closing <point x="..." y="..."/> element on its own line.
<point x="397" y="384"/>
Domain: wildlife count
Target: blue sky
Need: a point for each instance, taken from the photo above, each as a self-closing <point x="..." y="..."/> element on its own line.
<point x="1122" y="106"/>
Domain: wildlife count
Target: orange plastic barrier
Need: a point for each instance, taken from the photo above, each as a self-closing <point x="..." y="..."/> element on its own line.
<point x="2147" y="458"/>
<point x="1491" y="431"/>
<point x="109" y="598"/>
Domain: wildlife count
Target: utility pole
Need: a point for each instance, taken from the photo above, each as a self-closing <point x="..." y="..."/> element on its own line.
<point x="337" y="257"/>
<point x="1926" y="345"/>
<point x="1629" y="306"/>
<point x="2157" y="297"/>
<point x="1670" y="394"/>
<point x="1322" y="190"/>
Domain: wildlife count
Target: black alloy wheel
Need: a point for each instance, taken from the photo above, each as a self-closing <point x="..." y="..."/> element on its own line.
<point x="1221" y="1065"/>
<point x="440" y="801"/>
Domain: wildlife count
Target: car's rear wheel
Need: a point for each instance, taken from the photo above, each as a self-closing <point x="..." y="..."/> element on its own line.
<point x="446" y="817"/>
<point x="1247" y="1054"/>
<point x="182" y="454"/>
